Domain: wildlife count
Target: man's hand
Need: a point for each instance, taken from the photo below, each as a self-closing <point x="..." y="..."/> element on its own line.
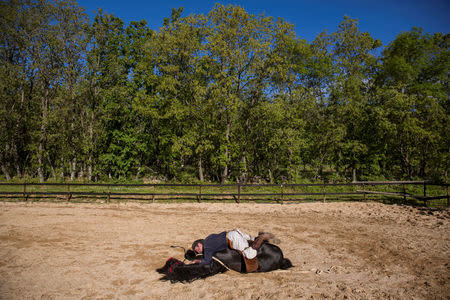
<point x="195" y="261"/>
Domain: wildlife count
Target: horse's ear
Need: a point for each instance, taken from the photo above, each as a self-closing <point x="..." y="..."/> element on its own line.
<point x="190" y="255"/>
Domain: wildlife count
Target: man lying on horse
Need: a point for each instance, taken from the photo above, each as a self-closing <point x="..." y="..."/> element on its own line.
<point x="232" y="250"/>
<point x="235" y="239"/>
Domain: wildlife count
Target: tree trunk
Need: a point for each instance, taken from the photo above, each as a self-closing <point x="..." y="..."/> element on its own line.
<point x="244" y="171"/>
<point x="5" y="171"/>
<point x="73" y="169"/>
<point x="51" y="167"/>
<point x="91" y="143"/>
<point x="15" y="153"/>
<point x="44" y="106"/>
<point x="200" y="169"/>
<point x="406" y="165"/>
<point x="354" y="174"/>
<point x="73" y="174"/>
<point x="39" y="161"/>
<point x="227" y="137"/>
<point x="225" y="171"/>
<point x="81" y="173"/>
<point x="90" y="169"/>
<point x="16" y="160"/>
<point x="4" y="168"/>
<point x="423" y="166"/>
<point x="62" y="171"/>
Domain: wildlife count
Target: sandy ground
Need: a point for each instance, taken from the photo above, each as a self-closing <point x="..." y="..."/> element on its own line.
<point x="111" y="251"/>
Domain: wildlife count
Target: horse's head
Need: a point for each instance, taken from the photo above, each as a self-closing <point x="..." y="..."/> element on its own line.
<point x="168" y="267"/>
<point x="191" y="255"/>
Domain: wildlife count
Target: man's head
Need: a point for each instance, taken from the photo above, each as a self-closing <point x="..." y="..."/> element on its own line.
<point x="197" y="246"/>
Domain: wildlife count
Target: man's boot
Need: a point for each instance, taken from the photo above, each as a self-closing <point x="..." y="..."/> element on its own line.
<point x="259" y="240"/>
<point x="271" y="238"/>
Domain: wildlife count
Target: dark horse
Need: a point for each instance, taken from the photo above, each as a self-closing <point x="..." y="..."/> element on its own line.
<point x="270" y="257"/>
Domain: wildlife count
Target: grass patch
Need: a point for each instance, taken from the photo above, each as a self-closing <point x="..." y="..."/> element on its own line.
<point x="229" y="193"/>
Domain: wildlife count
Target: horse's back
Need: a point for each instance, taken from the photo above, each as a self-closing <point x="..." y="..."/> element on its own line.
<point x="232" y="259"/>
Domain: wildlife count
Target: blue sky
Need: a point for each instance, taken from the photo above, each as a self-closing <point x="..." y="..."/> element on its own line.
<point x="383" y="19"/>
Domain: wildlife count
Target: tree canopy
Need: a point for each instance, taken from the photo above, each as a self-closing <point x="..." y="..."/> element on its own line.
<point x="227" y="96"/>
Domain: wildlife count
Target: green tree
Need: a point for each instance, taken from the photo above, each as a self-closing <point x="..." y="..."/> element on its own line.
<point x="70" y="37"/>
<point x="355" y="62"/>
<point x="113" y="127"/>
<point x="245" y="59"/>
<point x="413" y="105"/>
<point x="30" y="36"/>
<point x="277" y="105"/>
<point x="16" y="84"/>
<point x="173" y="97"/>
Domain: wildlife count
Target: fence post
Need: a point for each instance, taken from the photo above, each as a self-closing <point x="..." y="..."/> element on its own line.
<point x="199" y="197"/>
<point x="364" y="191"/>
<point x="153" y="196"/>
<point x="324" y="192"/>
<point x="404" y="193"/>
<point x="424" y="188"/>
<point x="25" y="198"/>
<point x="239" y="193"/>
<point x="68" y="193"/>
<point x="108" y="198"/>
<point x="448" y="202"/>
<point x="282" y="194"/>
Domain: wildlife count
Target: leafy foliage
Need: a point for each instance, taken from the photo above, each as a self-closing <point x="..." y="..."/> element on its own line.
<point x="227" y="96"/>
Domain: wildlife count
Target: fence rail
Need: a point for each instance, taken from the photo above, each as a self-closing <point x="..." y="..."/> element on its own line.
<point x="277" y="192"/>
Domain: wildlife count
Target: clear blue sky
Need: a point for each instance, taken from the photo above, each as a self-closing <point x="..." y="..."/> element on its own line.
<point x="383" y="19"/>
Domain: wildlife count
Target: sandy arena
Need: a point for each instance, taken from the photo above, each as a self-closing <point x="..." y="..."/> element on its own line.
<point x="111" y="251"/>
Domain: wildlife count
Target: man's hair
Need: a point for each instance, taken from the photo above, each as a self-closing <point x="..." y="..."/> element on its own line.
<point x="194" y="244"/>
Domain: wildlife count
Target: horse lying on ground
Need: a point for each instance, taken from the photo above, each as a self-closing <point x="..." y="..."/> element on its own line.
<point x="270" y="257"/>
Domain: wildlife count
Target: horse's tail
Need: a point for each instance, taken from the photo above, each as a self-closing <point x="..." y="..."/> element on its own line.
<point x="286" y="264"/>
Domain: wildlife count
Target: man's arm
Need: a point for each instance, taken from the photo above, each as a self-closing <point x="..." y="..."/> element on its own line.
<point x="207" y="256"/>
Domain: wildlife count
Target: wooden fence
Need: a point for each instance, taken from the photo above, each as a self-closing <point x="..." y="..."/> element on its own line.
<point x="281" y="193"/>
